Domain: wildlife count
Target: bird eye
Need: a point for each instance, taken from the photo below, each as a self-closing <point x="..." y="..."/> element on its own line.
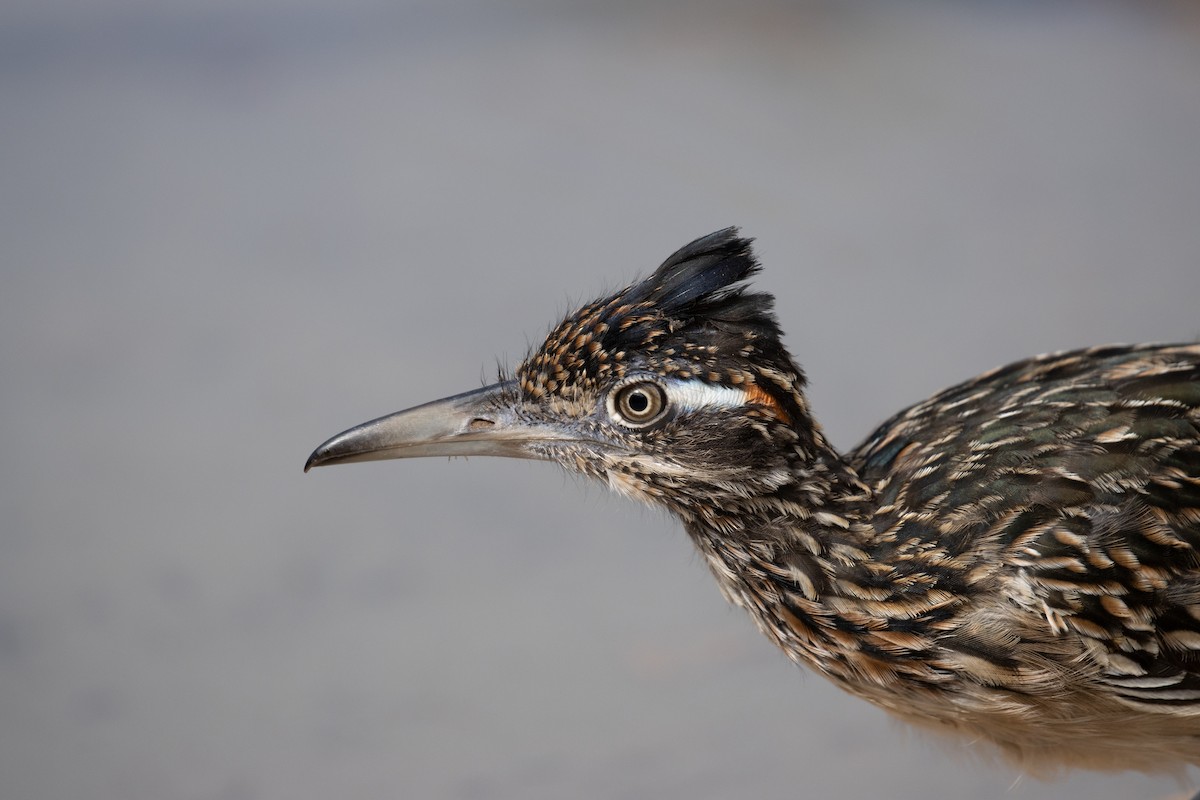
<point x="638" y="403"/>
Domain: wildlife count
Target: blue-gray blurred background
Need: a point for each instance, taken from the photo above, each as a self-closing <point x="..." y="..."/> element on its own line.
<point x="231" y="229"/>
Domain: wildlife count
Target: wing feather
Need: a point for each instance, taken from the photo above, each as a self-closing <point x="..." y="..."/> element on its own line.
<point x="1076" y="477"/>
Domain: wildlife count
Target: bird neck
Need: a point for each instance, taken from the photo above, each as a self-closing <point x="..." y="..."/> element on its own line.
<point x="807" y="564"/>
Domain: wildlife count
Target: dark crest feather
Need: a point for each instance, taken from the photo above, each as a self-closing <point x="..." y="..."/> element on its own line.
<point x="693" y="315"/>
<point x="702" y="284"/>
<point x="698" y="272"/>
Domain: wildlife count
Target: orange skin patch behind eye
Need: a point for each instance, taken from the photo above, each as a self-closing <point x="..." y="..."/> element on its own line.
<point x="756" y="395"/>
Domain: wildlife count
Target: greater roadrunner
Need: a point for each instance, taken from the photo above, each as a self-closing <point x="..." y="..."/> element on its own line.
<point x="1016" y="559"/>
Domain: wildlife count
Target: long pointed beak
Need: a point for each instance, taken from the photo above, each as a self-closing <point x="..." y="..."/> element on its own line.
<point x="478" y="423"/>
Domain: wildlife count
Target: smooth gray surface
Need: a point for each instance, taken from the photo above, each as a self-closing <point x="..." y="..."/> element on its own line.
<point x="230" y="230"/>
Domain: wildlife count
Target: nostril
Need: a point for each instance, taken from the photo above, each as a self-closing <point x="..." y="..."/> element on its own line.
<point x="479" y="423"/>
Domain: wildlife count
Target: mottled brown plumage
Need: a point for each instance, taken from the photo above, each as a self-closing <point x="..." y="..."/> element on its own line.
<point x="1016" y="559"/>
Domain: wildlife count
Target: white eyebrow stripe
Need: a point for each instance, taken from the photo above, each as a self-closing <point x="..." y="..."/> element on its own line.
<point x="694" y="395"/>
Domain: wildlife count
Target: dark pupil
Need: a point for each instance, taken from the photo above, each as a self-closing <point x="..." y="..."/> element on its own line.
<point x="638" y="402"/>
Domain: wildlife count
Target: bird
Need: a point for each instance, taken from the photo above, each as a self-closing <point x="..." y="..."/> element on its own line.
<point x="1014" y="562"/>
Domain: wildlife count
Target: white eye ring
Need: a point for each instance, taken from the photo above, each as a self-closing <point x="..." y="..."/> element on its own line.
<point x="638" y="404"/>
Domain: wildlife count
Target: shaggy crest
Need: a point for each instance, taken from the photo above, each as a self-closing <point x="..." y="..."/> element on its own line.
<point x="694" y="317"/>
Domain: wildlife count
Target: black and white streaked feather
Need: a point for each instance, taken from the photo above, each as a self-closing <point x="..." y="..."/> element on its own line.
<point x="1016" y="559"/>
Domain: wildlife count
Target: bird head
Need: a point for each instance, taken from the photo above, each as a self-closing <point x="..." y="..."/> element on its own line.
<point x="676" y="390"/>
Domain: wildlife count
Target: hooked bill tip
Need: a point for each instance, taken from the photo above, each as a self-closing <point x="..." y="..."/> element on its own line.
<point x="313" y="461"/>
